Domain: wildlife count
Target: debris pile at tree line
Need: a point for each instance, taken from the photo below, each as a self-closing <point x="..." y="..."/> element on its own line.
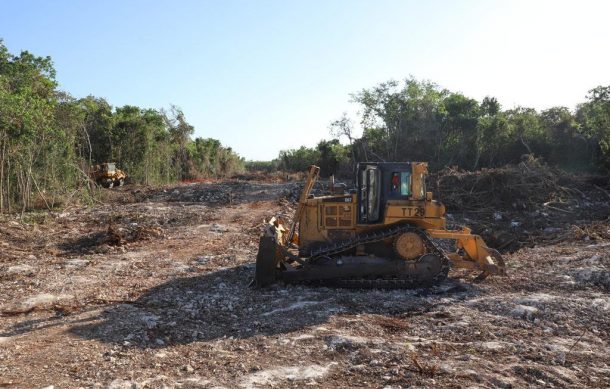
<point x="525" y="186"/>
<point x="524" y="204"/>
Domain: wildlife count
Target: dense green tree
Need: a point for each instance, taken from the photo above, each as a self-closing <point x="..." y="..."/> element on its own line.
<point x="27" y="134"/>
<point x="594" y="118"/>
<point x="298" y="159"/>
<point x="404" y="119"/>
<point x="330" y="155"/>
<point x="343" y="127"/>
<point x="180" y="132"/>
<point x="460" y="130"/>
<point x="210" y="159"/>
<point x="140" y="144"/>
<point x="333" y="157"/>
<point x="493" y="133"/>
<point x="97" y="127"/>
<point x="525" y="131"/>
<point x="567" y="146"/>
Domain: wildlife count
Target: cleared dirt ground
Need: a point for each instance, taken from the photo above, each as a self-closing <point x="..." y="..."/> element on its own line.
<point x="150" y="289"/>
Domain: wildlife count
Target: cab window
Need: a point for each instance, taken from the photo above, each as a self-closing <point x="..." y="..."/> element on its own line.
<point x="395" y="183"/>
<point x="400" y="183"/>
<point x="405" y="183"/>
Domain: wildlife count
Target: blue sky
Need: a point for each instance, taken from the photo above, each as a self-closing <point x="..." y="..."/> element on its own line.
<point x="262" y="76"/>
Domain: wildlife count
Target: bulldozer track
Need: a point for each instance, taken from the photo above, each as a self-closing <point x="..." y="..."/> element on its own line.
<point x="400" y="281"/>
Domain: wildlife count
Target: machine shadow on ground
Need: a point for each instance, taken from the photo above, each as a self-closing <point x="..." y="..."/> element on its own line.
<point x="222" y="304"/>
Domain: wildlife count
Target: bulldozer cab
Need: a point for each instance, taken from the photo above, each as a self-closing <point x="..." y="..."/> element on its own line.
<point x="379" y="182"/>
<point x="108" y="168"/>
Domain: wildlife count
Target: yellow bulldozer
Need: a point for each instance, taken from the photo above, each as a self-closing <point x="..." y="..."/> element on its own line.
<point x="382" y="234"/>
<point x="107" y="175"/>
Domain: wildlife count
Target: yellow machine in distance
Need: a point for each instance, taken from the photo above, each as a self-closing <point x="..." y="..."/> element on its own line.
<point x="107" y="175"/>
<point x="380" y="234"/>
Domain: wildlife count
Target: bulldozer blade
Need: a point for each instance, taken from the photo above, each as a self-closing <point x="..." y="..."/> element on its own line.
<point x="499" y="267"/>
<point x="266" y="262"/>
<point x="498" y="260"/>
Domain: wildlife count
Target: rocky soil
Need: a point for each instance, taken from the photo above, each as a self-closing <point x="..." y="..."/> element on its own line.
<point x="151" y="289"/>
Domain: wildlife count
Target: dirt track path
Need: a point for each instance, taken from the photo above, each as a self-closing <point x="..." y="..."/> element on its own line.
<point x="170" y="305"/>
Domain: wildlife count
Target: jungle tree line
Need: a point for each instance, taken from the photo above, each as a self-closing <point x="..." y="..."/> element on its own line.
<point x="49" y="139"/>
<point x="419" y="121"/>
